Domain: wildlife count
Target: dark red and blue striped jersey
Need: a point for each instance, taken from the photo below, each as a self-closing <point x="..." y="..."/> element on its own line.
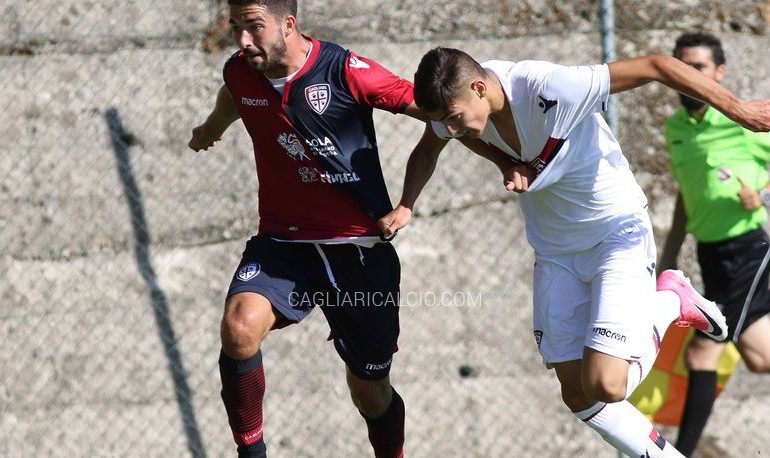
<point x="315" y="147"/>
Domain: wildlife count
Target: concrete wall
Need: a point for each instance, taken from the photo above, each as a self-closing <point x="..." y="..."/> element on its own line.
<point x="86" y="367"/>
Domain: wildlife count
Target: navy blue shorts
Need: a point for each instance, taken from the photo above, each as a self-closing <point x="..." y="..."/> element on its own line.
<point x="357" y="289"/>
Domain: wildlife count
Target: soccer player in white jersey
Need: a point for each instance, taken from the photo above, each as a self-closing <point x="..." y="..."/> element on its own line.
<point x="598" y="318"/>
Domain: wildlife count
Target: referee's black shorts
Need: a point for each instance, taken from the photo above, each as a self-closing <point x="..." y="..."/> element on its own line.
<point x="728" y="268"/>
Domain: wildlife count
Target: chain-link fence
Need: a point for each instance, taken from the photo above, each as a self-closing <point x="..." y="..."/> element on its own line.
<point x="118" y="243"/>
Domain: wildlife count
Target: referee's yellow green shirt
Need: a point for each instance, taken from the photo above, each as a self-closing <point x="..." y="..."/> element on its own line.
<point x="706" y="159"/>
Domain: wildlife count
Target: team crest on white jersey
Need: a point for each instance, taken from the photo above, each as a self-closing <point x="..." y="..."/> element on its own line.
<point x="248" y="271"/>
<point x="292" y="145"/>
<point x="317" y="97"/>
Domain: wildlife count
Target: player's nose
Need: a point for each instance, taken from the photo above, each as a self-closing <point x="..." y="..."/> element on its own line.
<point x="244" y="40"/>
<point x="451" y="129"/>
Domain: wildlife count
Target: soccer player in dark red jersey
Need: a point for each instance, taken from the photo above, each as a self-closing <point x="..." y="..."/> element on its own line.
<point x="307" y="106"/>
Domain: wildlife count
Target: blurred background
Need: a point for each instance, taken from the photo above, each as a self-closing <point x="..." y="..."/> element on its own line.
<point x="117" y="243"/>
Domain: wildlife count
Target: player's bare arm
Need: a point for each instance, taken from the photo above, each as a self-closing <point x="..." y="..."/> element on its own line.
<point x="675" y="238"/>
<point x="629" y="74"/>
<point x="210" y="132"/>
<point x="419" y="168"/>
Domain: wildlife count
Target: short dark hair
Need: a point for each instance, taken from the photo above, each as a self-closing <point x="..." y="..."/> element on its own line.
<point x="440" y="75"/>
<point x="705" y="39"/>
<point x="281" y="8"/>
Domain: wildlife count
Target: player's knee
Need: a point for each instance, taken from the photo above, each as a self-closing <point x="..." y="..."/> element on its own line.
<point x="696" y="359"/>
<point x="244" y="325"/>
<point x="606" y="389"/>
<point x="757" y="365"/>
<point x="372" y="397"/>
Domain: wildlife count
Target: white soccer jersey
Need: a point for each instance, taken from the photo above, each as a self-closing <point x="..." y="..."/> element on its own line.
<point x="585" y="187"/>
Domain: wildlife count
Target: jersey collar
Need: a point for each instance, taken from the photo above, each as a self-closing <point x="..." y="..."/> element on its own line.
<point x="311" y="59"/>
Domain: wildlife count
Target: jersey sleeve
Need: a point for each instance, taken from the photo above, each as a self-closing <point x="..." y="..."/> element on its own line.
<point x="372" y="84"/>
<point x="579" y="92"/>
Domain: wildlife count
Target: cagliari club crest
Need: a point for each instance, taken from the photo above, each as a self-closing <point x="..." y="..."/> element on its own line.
<point x="317" y="97"/>
<point x="248" y="271"/>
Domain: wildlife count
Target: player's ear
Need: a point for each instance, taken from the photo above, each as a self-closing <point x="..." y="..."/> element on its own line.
<point x="479" y="87"/>
<point x="721" y="72"/>
<point x="289" y="25"/>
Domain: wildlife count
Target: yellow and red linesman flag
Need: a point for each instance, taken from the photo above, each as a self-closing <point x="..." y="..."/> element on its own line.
<point x="662" y="394"/>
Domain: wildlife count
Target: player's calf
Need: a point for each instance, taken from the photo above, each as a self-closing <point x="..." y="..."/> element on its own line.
<point x="243" y="388"/>
<point x="247" y="319"/>
<point x="371" y="397"/>
<point x="383" y="410"/>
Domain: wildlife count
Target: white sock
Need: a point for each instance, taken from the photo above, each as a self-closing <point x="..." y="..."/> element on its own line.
<point x="667" y="306"/>
<point x="626" y="429"/>
<point x="668" y="309"/>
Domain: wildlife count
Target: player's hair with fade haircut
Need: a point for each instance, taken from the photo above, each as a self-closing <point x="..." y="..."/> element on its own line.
<point x="440" y="75"/>
<point x="695" y="39"/>
<point x="280" y="8"/>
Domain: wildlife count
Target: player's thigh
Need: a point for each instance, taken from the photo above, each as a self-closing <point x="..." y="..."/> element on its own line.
<point x="561" y="310"/>
<point x="623" y="292"/>
<point x="754" y="345"/>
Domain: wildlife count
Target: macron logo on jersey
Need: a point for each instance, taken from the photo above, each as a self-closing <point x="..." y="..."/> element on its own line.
<point x="254" y="102"/>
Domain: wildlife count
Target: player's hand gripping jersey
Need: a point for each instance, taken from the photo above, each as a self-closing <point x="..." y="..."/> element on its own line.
<point x="582" y="189"/>
<point x="315" y="147"/>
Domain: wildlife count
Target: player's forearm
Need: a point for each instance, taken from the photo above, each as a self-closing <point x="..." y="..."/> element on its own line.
<point x="419" y="169"/>
<point x="502" y="160"/>
<point x="683" y="78"/>
<point x="675" y="237"/>
<point x="672" y="72"/>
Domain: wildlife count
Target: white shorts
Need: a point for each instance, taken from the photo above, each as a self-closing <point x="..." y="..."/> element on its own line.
<point x="598" y="298"/>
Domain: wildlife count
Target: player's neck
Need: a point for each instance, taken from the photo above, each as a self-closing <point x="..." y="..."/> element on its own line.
<point x="699" y="113"/>
<point x="297" y="49"/>
<point x="495" y="95"/>
<point x="501" y="115"/>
